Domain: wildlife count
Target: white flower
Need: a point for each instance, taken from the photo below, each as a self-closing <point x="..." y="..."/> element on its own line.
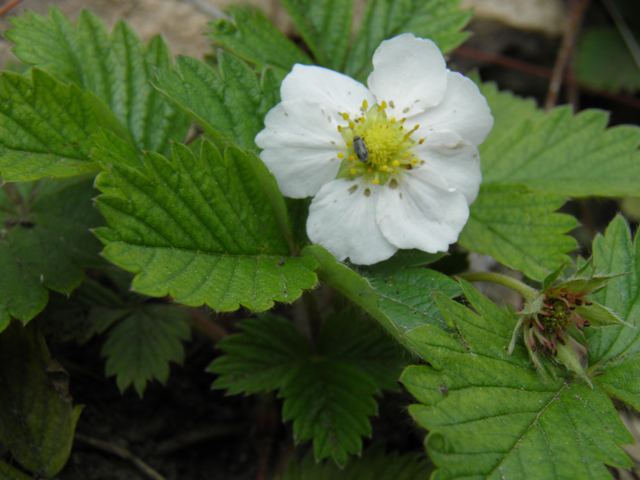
<point x="415" y="168"/>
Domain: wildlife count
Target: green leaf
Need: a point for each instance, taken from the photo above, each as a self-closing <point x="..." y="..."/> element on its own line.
<point x="45" y="127"/>
<point x="491" y="415"/>
<point x="519" y="229"/>
<point x="374" y="463"/>
<point x="7" y="472"/>
<point x="252" y="37"/>
<point x="325" y="26"/>
<point x="400" y="303"/>
<point x="614" y="351"/>
<point x="211" y="229"/>
<point x="404" y="259"/>
<point x="327" y="389"/>
<point x="558" y="152"/>
<point x="438" y="20"/>
<point x="117" y="69"/>
<point x="37" y="419"/>
<point x="603" y="61"/>
<point x="140" y="347"/>
<point x="233" y="102"/>
<point x="44" y="241"/>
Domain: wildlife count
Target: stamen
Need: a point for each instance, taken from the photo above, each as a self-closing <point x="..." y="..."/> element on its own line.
<point x="345" y="116"/>
<point x="395" y="163"/>
<point x="352" y="171"/>
<point x="340" y="128"/>
<point x="384" y="168"/>
<point x="405" y="156"/>
<point x="341" y="155"/>
<point x="351" y="158"/>
<point x="351" y="125"/>
<point x="415" y="161"/>
<point x="402" y="121"/>
<point x="369" y="170"/>
<point x="365" y="104"/>
<point x="392" y="121"/>
<point x="421" y="141"/>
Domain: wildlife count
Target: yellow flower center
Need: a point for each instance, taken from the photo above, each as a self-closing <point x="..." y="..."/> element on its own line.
<point x="379" y="147"/>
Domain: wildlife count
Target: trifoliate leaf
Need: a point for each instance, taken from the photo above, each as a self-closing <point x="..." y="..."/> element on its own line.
<point x="519" y="229"/>
<point x="140" y="347"/>
<point x="233" y="102"/>
<point x="438" y="20"/>
<point x="559" y="152"/>
<point x="400" y="302"/>
<point x="252" y="37"/>
<point x="210" y="229"/>
<point x="325" y="26"/>
<point x="374" y="463"/>
<point x="491" y="415"/>
<point x="327" y="389"/>
<point x="45" y="127"/>
<point x="614" y="351"/>
<point x="37" y="419"/>
<point x="44" y="240"/>
<point x="603" y="61"/>
<point x="118" y="69"/>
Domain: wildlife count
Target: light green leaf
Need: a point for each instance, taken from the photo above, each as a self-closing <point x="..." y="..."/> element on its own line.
<point x="118" y="69"/>
<point x="519" y="229"/>
<point x="438" y="20"/>
<point x="374" y="464"/>
<point x="211" y="229"/>
<point x="562" y="153"/>
<point x="232" y="102"/>
<point x="37" y="419"/>
<point x="327" y="389"/>
<point x="325" y="26"/>
<point x="603" y="61"/>
<point x="44" y="242"/>
<point x="45" y="127"/>
<point x="140" y="347"/>
<point x="490" y="415"/>
<point x="252" y="37"/>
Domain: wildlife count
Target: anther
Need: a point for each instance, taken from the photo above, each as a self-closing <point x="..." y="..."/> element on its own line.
<point x="415" y="161"/>
<point x="392" y="121"/>
<point x="421" y="141"/>
<point x="351" y="125"/>
<point x="340" y="128"/>
<point x="365" y="104"/>
<point x="351" y="158"/>
<point x="395" y="163"/>
<point x="352" y="171"/>
<point x="341" y="155"/>
<point x="345" y="116"/>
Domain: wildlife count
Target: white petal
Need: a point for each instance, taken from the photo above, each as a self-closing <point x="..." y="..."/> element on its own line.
<point x="463" y="110"/>
<point x="300" y="144"/>
<point x="342" y="220"/>
<point x="419" y="215"/>
<point x="455" y="160"/>
<point x="409" y="71"/>
<point x="335" y="91"/>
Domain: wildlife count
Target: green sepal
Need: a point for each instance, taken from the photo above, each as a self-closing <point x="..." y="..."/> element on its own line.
<point x="569" y="358"/>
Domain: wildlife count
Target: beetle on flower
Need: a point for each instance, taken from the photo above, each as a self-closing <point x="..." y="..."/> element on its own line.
<point x="391" y="166"/>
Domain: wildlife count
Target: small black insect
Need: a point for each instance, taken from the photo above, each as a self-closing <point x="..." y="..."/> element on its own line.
<point x="361" y="149"/>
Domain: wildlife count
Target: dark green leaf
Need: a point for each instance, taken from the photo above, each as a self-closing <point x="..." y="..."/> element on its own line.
<point x="491" y="415"/>
<point x="603" y="61"/>
<point x="560" y="153"/>
<point x="252" y="37"/>
<point x="117" y="69"/>
<point x="614" y="351"/>
<point x="438" y="20"/>
<point x="327" y="388"/>
<point x="325" y="26"/>
<point x="7" y="472"/>
<point x="211" y="229"/>
<point x="519" y="229"/>
<point x="37" y="419"/>
<point x="140" y="347"/>
<point x="232" y="103"/>
<point x="45" y="127"/>
<point x="44" y="241"/>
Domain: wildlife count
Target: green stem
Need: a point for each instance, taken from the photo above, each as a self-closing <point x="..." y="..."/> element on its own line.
<point x="526" y="291"/>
